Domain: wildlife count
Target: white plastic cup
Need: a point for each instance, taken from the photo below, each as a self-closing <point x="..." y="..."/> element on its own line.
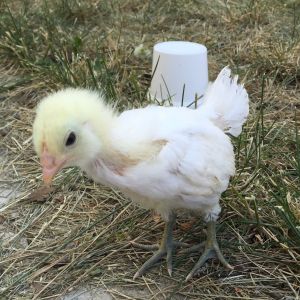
<point x="179" y="73"/>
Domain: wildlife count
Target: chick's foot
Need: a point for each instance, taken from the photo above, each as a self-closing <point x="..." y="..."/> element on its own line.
<point x="211" y="250"/>
<point x="166" y="248"/>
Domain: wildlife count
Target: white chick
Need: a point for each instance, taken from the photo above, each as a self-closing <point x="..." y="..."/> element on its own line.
<point x="164" y="158"/>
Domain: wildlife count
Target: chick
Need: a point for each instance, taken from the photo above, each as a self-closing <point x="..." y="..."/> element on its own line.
<point x="164" y="158"/>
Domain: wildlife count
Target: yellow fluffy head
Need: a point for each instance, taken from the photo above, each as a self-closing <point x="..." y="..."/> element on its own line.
<point x="74" y="114"/>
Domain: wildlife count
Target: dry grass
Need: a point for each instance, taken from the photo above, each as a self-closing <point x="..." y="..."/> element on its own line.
<point x="80" y="233"/>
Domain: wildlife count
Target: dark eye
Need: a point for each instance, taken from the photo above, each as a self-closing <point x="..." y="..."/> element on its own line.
<point x="71" y="139"/>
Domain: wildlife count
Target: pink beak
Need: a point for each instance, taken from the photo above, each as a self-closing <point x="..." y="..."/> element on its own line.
<point x="50" y="165"/>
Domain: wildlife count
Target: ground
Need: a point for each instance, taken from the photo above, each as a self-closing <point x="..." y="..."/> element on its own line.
<point x="75" y="241"/>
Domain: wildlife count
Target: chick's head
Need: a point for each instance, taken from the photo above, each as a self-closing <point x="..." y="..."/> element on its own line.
<point x="70" y="129"/>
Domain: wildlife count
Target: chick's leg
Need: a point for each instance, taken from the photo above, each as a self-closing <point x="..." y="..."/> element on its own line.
<point x="165" y="248"/>
<point x="211" y="248"/>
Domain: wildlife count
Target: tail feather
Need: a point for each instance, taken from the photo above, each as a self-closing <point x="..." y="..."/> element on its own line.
<point x="226" y="103"/>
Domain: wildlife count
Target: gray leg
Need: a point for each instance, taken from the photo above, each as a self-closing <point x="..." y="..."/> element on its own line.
<point x="211" y="247"/>
<point x="165" y="248"/>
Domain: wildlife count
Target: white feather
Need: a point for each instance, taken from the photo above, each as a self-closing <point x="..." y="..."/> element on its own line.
<point x="191" y="170"/>
<point x="226" y="103"/>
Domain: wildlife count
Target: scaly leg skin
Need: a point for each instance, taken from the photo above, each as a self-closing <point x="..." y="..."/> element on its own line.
<point x="165" y="248"/>
<point x="211" y="247"/>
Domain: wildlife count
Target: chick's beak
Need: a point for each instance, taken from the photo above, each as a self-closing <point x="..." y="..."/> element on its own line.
<point x="51" y="165"/>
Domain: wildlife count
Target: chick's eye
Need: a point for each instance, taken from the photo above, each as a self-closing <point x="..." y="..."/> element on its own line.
<point x="71" y="139"/>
